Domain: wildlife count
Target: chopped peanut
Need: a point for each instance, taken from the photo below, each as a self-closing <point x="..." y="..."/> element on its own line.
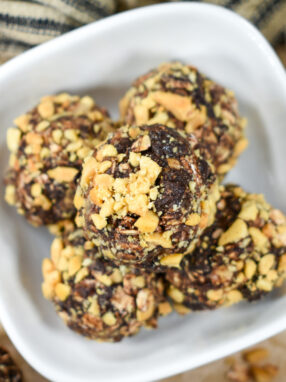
<point x="237" y="231"/>
<point x="148" y="222"/>
<point x="98" y="221"/>
<point x="63" y="174"/>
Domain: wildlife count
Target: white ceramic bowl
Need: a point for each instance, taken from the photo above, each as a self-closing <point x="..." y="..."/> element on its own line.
<point x="102" y="59"/>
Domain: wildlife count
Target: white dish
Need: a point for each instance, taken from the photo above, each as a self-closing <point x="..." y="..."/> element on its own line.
<point x="102" y="59"/>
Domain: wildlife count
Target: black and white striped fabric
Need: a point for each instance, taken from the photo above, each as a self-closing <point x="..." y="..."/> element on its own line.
<point x="24" y="24"/>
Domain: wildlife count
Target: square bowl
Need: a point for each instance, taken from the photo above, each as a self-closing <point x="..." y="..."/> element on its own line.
<point x="102" y="59"/>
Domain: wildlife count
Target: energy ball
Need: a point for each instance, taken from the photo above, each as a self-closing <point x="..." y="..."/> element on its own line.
<point x="241" y="256"/>
<point x="47" y="148"/>
<point x="144" y="194"/>
<point x="96" y="298"/>
<point x="181" y="97"/>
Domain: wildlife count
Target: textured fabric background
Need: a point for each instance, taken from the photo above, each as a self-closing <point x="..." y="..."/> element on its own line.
<point x="24" y="24"/>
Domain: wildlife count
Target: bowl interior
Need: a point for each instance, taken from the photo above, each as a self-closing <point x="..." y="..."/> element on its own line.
<point x="101" y="60"/>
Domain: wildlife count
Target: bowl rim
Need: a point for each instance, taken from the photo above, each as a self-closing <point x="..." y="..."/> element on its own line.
<point x="123" y="17"/>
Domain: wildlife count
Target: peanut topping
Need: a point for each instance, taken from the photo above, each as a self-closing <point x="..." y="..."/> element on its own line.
<point x="256" y="355"/>
<point x="47" y="267"/>
<point x="78" y="200"/>
<point x="233" y="297"/>
<point x="36" y="190"/>
<point x="126" y="199"/>
<point x="264" y="285"/>
<point x="159" y="239"/>
<point x="22" y="122"/>
<point x="237" y="231"/>
<point x="249" y="211"/>
<point x="240" y="146"/>
<point x="97" y="195"/>
<point x="134" y="132"/>
<point x="215" y="295"/>
<point x="175" y="294"/>
<point x="174" y="163"/>
<point x="146" y="305"/>
<point x="74" y="265"/>
<point x="106" y="151"/>
<point x="134" y="160"/>
<point x="46" y="109"/>
<point x="259" y="239"/>
<point x="104" y="166"/>
<point x="56" y="248"/>
<point x="109" y="319"/>
<point x="224" y="168"/>
<point x="10" y="194"/>
<point x="165" y="308"/>
<point x="138" y="204"/>
<point x="193" y="219"/>
<point x="62" y="291"/>
<point x="116" y="276"/>
<point x="266" y="263"/>
<point x="43" y="202"/>
<point x="43" y="125"/>
<point x="142" y="144"/>
<point x="52" y="278"/>
<point x="282" y="264"/>
<point x="250" y="268"/>
<point x="169" y="95"/>
<point x="181" y="309"/>
<point x="81" y="274"/>
<point x="197" y="119"/>
<point x="33" y="139"/>
<point x="98" y="221"/>
<point x="63" y="174"/>
<point x="181" y="107"/>
<point x="86" y="103"/>
<point x="172" y="260"/>
<point x="278" y="217"/>
<point x="153" y="193"/>
<point x="94" y="308"/>
<point x="151" y="168"/>
<point x="88" y="171"/>
<point x="264" y="373"/>
<point x="141" y="114"/>
<point x="104" y="279"/>
<point x="53" y="138"/>
<point x="281" y="236"/>
<point x="13" y="139"/>
<point x="232" y="261"/>
<point x="47" y="290"/>
<point x="148" y="222"/>
<point x="107" y="208"/>
<point x="94" y="296"/>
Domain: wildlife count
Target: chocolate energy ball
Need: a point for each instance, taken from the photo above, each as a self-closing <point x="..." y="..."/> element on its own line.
<point x="181" y="97"/>
<point x="145" y="194"/>
<point x="96" y="298"/>
<point x="241" y="256"/>
<point x="9" y="372"/>
<point x="47" y="148"/>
